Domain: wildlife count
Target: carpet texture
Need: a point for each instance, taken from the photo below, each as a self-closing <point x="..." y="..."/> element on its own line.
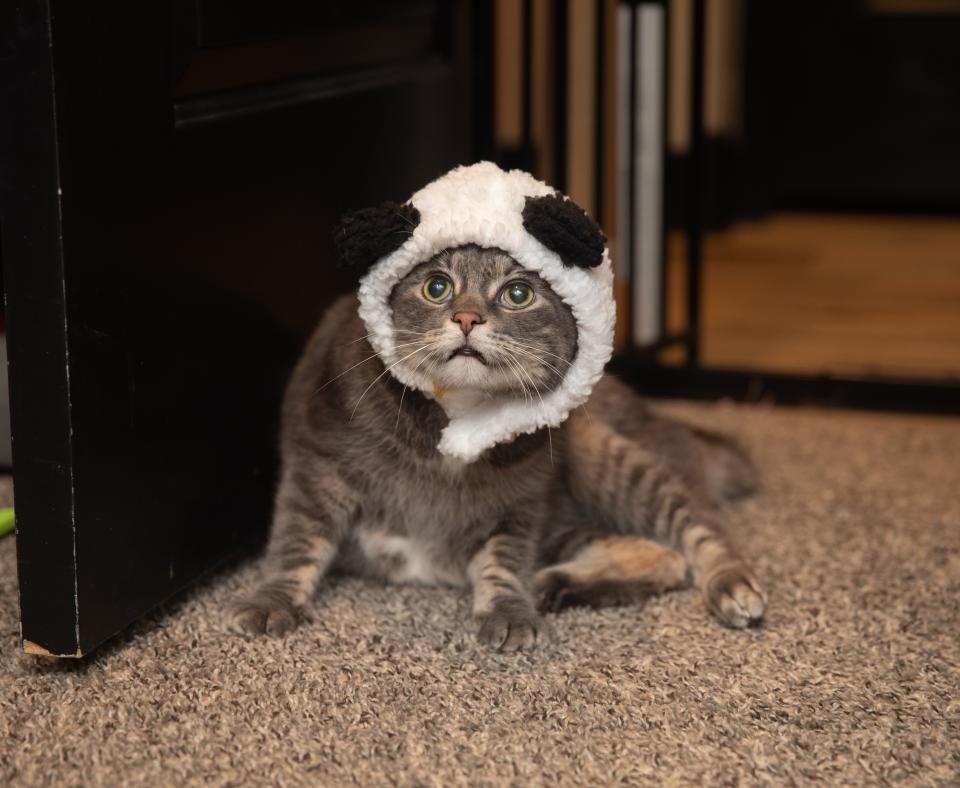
<point x="855" y="678"/>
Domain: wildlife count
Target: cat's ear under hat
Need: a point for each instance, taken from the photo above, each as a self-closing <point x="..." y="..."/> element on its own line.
<point x="367" y="235"/>
<point x="564" y="227"/>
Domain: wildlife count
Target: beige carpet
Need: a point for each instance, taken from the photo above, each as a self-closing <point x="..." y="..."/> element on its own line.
<point x="854" y="679"/>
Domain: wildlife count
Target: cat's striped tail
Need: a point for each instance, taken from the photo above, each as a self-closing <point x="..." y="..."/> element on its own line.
<point x="635" y="493"/>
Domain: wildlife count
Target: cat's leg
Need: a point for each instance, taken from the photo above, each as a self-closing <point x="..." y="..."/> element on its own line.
<point x="503" y="608"/>
<point x="641" y="495"/>
<point x="311" y="513"/>
<point x="600" y="569"/>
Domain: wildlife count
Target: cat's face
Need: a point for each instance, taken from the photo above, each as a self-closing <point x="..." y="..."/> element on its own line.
<point x="473" y="318"/>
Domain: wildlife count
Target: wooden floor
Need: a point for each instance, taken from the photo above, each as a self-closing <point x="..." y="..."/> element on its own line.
<point x="802" y="293"/>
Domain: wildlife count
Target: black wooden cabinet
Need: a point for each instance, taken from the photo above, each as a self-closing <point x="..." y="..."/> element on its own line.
<point x="171" y="174"/>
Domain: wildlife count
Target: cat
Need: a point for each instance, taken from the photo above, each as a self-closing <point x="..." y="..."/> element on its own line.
<point x="613" y="505"/>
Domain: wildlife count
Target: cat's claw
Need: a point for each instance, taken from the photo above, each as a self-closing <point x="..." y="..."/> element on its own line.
<point x="735" y="597"/>
<point x="510" y="632"/>
<point x="259" y="618"/>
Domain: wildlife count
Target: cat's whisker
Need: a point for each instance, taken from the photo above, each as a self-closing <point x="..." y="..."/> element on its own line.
<point x="359" y="363"/>
<point x="367" y="336"/>
<point x="526" y="374"/>
<point x="583" y="406"/>
<point x="533" y="349"/>
<point x="514" y="366"/>
<point x="404" y="218"/>
<point x="522" y="371"/>
<point x="396" y="425"/>
<point x="385" y="371"/>
<point x="403" y="393"/>
<point x="530" y="344"/>
<point x="539" y="360"/>
<point x="519" y="374"/>
<point x="536" y="388"/>
<point x="405" y="344"/>
<point x="536" y="348"/>
<point x="553" y="355"/>
<point x="517" y="348"/>
<point x="359" y="339"/>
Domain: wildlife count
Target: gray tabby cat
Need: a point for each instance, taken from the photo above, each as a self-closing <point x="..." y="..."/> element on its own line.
<point x="616" y="504"/>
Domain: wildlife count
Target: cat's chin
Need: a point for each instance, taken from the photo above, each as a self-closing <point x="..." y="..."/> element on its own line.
<point x="465" y="376"/>
<point x="468" y="373"/>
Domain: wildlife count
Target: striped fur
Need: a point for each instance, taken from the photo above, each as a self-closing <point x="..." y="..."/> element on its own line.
<point x="605" y="510"/>
<point x="636" y="491"/>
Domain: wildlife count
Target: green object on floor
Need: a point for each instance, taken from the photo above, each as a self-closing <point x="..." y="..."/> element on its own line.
<point x="6" y="521"/>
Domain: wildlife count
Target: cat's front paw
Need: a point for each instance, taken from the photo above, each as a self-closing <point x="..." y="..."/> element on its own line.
<point x="735" y="597"/>
<point x="264" y="617"/>
<point x="512" y="627"/>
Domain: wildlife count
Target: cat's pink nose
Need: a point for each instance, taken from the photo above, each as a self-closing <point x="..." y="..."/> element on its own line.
<point x="467" y="320"/>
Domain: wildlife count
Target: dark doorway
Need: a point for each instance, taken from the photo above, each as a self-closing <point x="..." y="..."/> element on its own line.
<point x="170" y="182"/>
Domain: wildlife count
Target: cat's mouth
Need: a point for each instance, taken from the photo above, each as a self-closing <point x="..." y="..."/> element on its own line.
<point x="468" y="352"/>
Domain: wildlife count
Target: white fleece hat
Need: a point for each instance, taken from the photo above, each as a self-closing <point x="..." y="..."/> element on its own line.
<point x="543" y="231"/>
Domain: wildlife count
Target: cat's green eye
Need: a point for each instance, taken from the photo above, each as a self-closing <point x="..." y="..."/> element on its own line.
<point x="437" y="288"/>
<point x="517" y="295"/>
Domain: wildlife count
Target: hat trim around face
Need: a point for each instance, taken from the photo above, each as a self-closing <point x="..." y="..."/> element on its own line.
<point x="483" y="205"/>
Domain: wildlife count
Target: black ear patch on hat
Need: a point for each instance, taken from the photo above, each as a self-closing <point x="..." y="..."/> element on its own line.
<point x="565" y="228"/>
<point x="367" y="235"/>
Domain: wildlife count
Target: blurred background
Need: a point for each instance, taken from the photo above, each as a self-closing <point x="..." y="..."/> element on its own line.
<point x="808" y="150"/>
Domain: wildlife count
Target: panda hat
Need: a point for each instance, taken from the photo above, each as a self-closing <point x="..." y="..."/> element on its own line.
<point x="542" y="230"/>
